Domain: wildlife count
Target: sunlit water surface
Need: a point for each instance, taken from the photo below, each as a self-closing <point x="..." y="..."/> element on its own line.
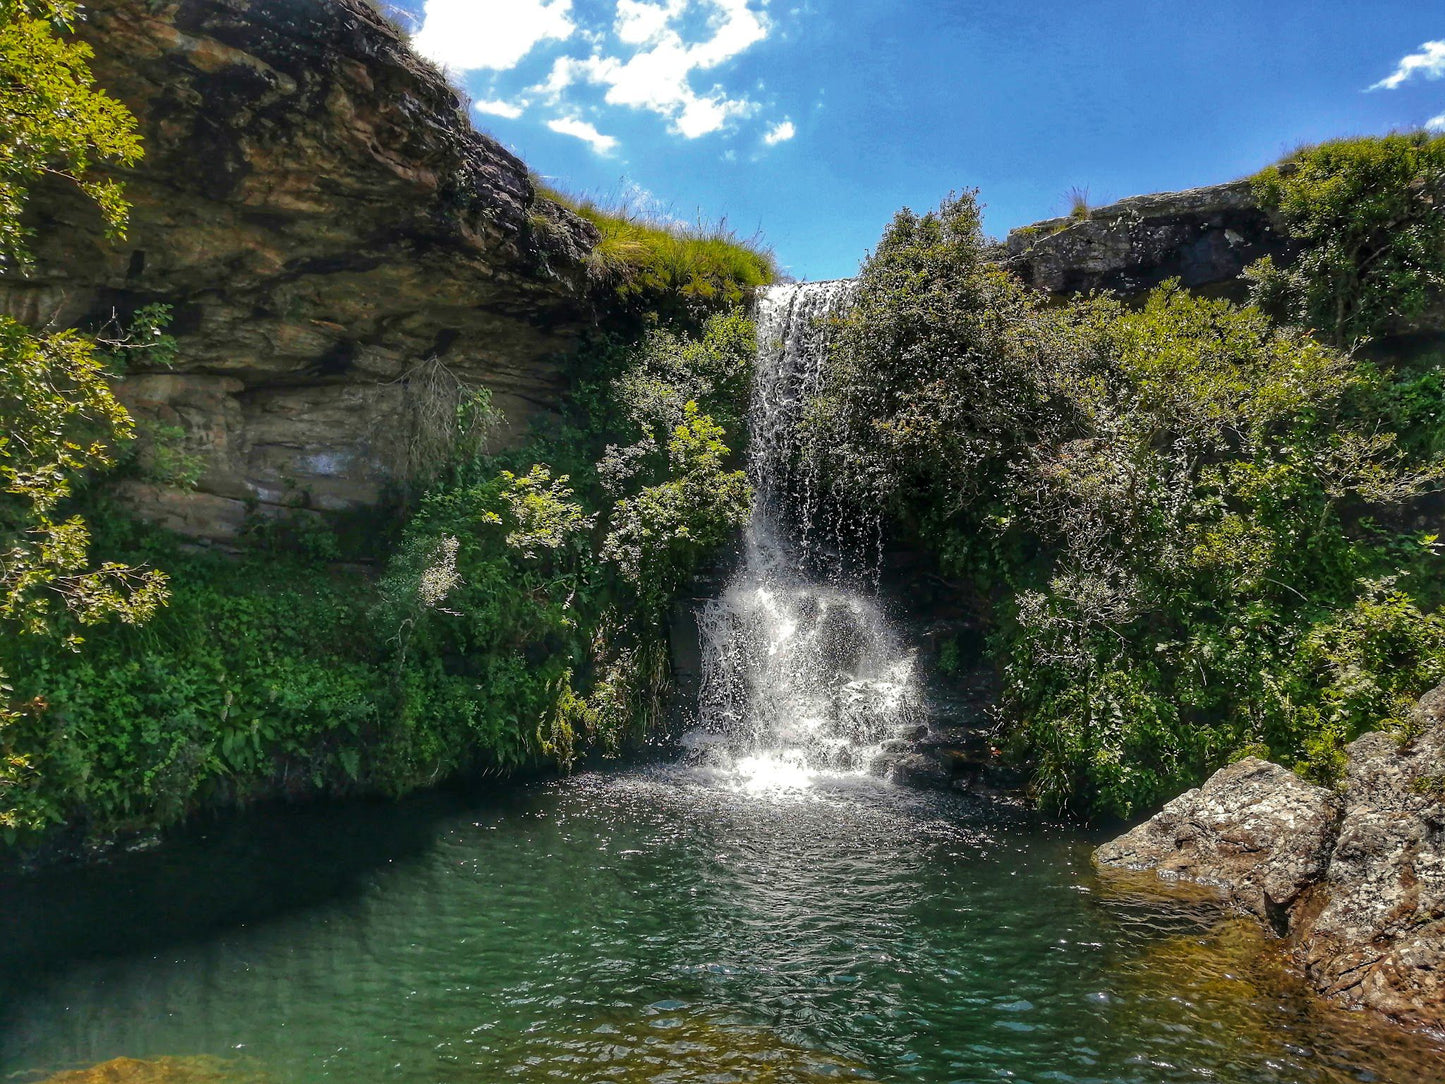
<point x="657" y="925"/>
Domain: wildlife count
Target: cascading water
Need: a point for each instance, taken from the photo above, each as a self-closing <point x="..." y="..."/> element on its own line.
<point x="802" y="673"/>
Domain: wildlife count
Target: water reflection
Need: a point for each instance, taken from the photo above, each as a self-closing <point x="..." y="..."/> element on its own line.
<point x="661" y="925"/>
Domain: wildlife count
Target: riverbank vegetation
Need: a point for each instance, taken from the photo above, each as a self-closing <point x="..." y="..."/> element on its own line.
<point x="506" y="613"/>
<point x="1198" y="529"/>
<point x="514" y="618"/>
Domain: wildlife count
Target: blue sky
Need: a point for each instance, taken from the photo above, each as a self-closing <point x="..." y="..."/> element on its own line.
<point x="812" y="121"/>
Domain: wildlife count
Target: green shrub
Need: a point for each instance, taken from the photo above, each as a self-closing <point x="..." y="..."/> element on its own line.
<point x="1367" y="213"/>
<point x="1175" y="510"/>
<point x="518" y="621"/>
<point x="662" y="266"/>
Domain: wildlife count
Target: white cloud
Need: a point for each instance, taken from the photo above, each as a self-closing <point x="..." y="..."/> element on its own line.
<point x="736" y="28"/>
<point x="1428" y="62"/>
<point x="658" y="75"/>
<point x="1436" y="124"/>
<point x="780" y="134"/>
<point x="566" y="70"/>
<point x="469" y="35"/>
<point x="499" y="109"/>
<point x="583" y="130"/>
<point x="640" y="22"/>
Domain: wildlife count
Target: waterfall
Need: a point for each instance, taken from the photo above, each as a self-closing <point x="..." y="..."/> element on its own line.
<point x="803" y="675"/>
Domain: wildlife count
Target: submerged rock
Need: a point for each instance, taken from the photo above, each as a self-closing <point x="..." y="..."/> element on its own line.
<point x="1356" y="882"/>
<point x="198" y="1070"/>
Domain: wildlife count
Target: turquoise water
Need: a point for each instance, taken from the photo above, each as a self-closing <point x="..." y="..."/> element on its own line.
<point x="656" y="925"/>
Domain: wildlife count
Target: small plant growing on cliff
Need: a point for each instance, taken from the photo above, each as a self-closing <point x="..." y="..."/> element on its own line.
<point x="1431" y="787"/>
<point x="445" y="422"/>
<point x="666" y="264"/>
<point x="1079" y="207"/>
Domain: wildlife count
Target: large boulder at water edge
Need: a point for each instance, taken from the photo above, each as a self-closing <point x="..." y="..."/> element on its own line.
<point x="1376" y="937"/>
<point x="1357" y="882"/>
<point x="1256" y="830"/>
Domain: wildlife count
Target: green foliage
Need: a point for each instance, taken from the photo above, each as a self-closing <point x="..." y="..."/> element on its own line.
<point x="680" y="497"/>
<point x="713" y="369"/>
<point x="481" y="607"/>
<point x="1175" y="511"/>
<point x="58" y="416"/>
<point x="53" y="122"/>
<point x="665" y="266"/>
<point x="145" y="336"/>
<point x="259" y="671"/>
<point x="58" y="419"/>
<point x="659" y="536"/>
<point x="1370" y="215"/>
<point x="1431" y="787"/>
<point x="499" y="636"/>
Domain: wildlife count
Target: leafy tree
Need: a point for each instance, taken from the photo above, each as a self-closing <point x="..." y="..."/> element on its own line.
<point x="54" y="123"/>
<point x="58" y="416"/>
<point x="1369" y="215"/>
<point x="1172" y="512"/>
<point x="659" y="535"/>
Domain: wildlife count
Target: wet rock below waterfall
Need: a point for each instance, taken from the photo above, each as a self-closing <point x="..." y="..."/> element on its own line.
<point x="956" y="748"/>
<point x="1356" y="882"/>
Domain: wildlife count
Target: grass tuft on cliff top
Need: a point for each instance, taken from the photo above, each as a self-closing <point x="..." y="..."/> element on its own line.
<point x="645" y="255"/>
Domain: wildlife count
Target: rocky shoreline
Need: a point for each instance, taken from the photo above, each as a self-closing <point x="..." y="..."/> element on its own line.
<point x="1353" y="879"/>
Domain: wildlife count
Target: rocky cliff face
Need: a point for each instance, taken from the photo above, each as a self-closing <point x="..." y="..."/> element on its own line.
<point x="327" y="225"/>
<point x="1356" y="881"/>
<point x="1204" y="237"/>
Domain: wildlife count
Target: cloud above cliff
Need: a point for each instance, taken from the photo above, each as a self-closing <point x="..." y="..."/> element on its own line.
<point x="565" y="67"/>
<point x="495" y="107"/>
<point x="658" y="68"/>
<point x="1428" y="63"/>
<point x="578" y="128"/>
<point x="473" y="35"/>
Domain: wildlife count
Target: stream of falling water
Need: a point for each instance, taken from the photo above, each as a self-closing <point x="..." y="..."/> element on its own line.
<point x="803" y="675"/>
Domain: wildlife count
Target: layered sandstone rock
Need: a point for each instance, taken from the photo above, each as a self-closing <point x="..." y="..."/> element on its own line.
<point x="322" y="217"/>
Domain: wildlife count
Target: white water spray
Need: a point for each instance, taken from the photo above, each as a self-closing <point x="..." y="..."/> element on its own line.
<point x="802" y="674"/>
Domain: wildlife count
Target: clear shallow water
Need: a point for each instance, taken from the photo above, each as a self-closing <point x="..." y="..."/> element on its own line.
<point x="656" y="925"/>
